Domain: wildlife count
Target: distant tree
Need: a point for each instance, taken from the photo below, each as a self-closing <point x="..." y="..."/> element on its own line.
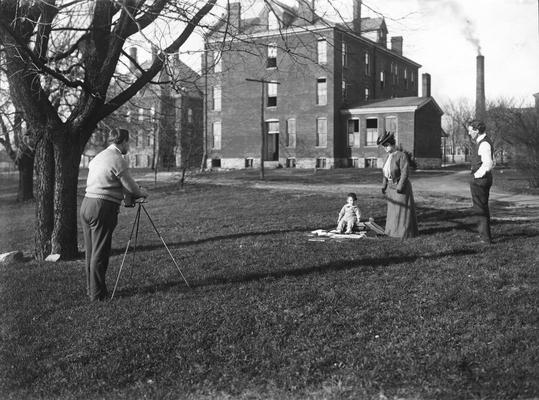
<point x="518" y="128"/>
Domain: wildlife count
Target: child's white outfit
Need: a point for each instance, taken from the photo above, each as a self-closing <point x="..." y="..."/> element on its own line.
<point x="348" y="217"/>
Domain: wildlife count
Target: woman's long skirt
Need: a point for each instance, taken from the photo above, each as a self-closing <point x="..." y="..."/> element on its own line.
<point x="401" y="221"/>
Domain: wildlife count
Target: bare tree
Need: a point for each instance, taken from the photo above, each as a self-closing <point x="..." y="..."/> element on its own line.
<point x="518" y="128"/>
<point x="80" y="46"/>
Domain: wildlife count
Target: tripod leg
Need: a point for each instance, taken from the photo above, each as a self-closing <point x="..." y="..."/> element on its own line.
<point x="136" y="240"/>
<point x="135" y="223"/>
<point x="166" y="247"/>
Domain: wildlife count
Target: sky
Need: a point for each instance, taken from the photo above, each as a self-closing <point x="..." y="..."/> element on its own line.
<point x="444" y="36"/>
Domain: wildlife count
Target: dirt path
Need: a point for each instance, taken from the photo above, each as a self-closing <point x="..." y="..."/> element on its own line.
<point x="450" y="191"/>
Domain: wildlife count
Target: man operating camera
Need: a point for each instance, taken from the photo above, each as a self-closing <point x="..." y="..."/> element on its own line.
<point x="108" y="182"/>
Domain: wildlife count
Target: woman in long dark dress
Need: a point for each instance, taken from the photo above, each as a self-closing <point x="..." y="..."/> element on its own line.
<point x="401" y="220"/>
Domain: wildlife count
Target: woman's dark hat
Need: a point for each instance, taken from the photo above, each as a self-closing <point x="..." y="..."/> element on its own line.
<point x="384" y="138"/>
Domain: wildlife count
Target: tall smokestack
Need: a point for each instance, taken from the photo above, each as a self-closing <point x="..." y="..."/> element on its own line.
<point x="426" y="85"/>
<point x="356" y="21"/>
<point x="480" y="104"/>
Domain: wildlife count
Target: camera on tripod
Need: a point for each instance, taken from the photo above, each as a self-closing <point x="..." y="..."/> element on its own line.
<point x="130" y="201"/>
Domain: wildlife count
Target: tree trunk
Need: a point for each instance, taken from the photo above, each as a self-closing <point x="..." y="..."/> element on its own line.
<point x="66" y="160"/>
<point x="25" y="165"/>
<point x="44" y="170"/>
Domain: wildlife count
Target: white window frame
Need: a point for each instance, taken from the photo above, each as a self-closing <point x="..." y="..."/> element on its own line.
<point x="367" y="64"/>
<point x="217" y="135"/>
<point x="367" y="94"/>
<point x="141" y="114"/>
<point x="272" y="93"/>
<point x="322" y="50"/>
<point x="322" y="91"/>
<point x="272" y="55"/>
<point x="217" y="93"/>
<point x="396" y="132"/>
<point x="353" y="135"/>
<point x="291" y="132"/>
<point x="321" y="136"/>
<point x="344" y="54"/>
<point x="370" y="132"/>
<point x="272" y="123"/>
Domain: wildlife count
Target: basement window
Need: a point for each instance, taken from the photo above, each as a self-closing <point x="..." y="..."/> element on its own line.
<point x="249" y="162"/>
<point x="320" y="163"/>
<point x="290" y="163"/>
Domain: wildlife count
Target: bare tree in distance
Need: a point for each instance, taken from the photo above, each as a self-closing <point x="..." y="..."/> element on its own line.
<point x="517" y="126"/>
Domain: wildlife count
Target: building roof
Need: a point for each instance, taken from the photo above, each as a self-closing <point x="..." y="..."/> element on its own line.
<point x="367" y="25"/>
<point x="396" y="104"/>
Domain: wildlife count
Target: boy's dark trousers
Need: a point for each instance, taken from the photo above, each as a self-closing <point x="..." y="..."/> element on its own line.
<point x="98" y="218"/>
<point x="480" y="190"/>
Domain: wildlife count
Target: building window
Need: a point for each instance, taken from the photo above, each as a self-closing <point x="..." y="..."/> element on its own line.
<point x="273" y="21"/>
<point x="249" y="162"/>
<point x="217" y="62"/>
<point x="141" y="114"/>
<point x="272" y="127"/>
<point x="353" y="162"/>
<point x="149" y="139"/>
<point x="322" y="51"/>
<point x="291" y="132"/>
<point x="128" y="115"/>
<point x="152" y="113"/>
<point x="190" y="115"/>
<point x="138" y="160"/>
<point x="412" y="79"/>
<point x="344" y="54"/>
<point x="353" y="133"/>
<point x="406" y="78"/>
<point x="321" y="92"/>
<point x="216" y="163"/>
<point x="321" y="162"/>
<point x="138" y="138"/>
<point x="382" y="79"/>
<point x="272" y="94"/>
<point x="371" y="162"/>
<point x="290" y="163"/>
<point x="344" y="92"/>
<point x="367" y="95"/>
<point x="216" y="135"/>
<point x="391" y="126"/>
<point x="372" y="131"/>
<point x="321" y="132"/>
<point x="272" y="56"/>
<point x="367" y="64"/>
<point x="217" y="98"/>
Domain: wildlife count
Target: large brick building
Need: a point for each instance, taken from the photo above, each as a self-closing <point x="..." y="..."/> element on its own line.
<point x="165" y="120"/>
<point x="317" y="74"/>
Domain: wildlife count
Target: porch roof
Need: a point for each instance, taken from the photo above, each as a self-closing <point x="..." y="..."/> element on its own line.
<point x="396" y="104"/>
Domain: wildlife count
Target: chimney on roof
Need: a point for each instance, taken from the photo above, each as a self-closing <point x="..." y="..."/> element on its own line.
<point x="396" y="44"/>
<point x="234" y="17"/>
<point x="306" y="10"/>
<point x="356" y="21"/>
<point x="480" y="107"/>
<point x="133" y="55"/>
<point x="426" y="85"/>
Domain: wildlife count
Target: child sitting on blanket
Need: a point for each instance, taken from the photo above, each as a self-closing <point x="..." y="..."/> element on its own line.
<point x="349" y="215"/>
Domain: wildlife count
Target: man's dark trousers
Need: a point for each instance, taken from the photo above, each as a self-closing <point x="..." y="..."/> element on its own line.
<point x="480" y="189"/>
<point x="99" y="218"/>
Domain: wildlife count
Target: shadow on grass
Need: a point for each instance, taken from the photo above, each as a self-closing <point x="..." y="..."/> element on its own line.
<point x="459" y="219"/>
<point x="157" y="246"/>
<point x="338" y="265"/>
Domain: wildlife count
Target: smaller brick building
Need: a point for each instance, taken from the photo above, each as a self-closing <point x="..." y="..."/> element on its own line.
<point x="415" y="122"/>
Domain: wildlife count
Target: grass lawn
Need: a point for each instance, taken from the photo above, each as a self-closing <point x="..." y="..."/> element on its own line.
<point x="272" y="315"/>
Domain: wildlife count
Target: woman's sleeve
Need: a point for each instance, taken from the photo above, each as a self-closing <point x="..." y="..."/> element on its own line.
<point x="404" y="167"/>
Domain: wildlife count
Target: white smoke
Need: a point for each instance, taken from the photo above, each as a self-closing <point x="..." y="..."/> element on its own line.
<point x="459" y="16"/>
